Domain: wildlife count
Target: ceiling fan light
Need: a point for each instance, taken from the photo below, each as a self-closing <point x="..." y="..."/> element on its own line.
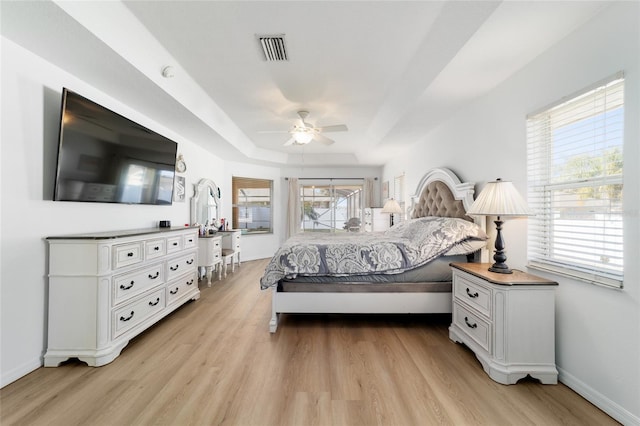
<point x="302" y="137"/>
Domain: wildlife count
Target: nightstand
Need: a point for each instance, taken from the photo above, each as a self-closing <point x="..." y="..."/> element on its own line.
<point x="507" y="320"/>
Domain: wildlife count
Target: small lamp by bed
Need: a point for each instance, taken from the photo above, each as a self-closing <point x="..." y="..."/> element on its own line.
<point x="391" y="207"/>
<point x="500" y="198"/>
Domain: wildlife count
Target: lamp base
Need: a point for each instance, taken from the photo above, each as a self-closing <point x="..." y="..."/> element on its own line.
<point x="500" y="266"/>
<point x="500" y="269"/>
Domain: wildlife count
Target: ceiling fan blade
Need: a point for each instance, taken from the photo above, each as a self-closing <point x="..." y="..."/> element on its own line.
<point x="291" y="141"/>
<point x="323" y="139"/>
<point x="335" y="128"/>
<point x="273" y="131"/>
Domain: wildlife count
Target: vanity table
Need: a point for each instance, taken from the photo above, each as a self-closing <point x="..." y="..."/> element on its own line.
<point x="210" y="255"/>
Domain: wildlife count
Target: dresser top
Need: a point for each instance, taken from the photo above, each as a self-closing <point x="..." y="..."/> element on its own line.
<point x="120" y="234"/>
<point x="481" y="270"/>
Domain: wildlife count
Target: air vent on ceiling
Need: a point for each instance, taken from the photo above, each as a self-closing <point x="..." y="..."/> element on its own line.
<point x="273" y="47"/>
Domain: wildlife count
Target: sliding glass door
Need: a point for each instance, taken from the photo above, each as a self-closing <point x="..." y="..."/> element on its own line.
<point x="329" y="207"/>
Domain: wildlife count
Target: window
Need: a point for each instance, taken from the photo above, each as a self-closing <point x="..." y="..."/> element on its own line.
<point x="398" y="194"/>
<point x="574" y="173"/>
<point x="331" y="207"/>
<point x="251" y="200"/>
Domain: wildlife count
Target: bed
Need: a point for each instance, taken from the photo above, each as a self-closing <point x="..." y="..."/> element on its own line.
<point x="402" y="270"/>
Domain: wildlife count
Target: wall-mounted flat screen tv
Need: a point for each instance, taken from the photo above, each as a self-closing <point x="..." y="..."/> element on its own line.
<point x="105" y="157"/>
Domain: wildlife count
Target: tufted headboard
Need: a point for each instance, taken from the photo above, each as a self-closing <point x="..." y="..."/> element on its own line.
<point x="436" y="199"/>
<point x="440" y="193"/>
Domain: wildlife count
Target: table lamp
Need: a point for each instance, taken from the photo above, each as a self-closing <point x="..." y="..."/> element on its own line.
<point x="499" y="198"/>
<point x="391" y="207"/>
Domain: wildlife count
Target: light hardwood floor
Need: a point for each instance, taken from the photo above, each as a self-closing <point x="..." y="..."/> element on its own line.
<point x="214" y="362"/>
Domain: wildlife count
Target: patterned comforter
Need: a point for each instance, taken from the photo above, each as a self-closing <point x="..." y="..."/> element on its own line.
<point x="405" y="246"/>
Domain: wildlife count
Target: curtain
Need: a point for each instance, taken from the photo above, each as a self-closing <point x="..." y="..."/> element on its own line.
<point x="293" y="208"/>
<point x="367" y="199"/>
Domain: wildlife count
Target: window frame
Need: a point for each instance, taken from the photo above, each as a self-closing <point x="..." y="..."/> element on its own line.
<point x="547" y="191"/>
<point x="332" y="186"/>
<point x="255" y="183"/>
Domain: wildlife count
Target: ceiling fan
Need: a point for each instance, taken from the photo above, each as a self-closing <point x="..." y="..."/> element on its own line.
<point x="303" y="132"/>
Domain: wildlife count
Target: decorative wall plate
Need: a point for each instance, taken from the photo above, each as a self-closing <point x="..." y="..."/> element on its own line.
<point x="181" y="166"/>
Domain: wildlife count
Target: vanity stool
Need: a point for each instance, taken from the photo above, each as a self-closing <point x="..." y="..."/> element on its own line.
<point x="231" y="248"/>
<point x="229" y="256"/>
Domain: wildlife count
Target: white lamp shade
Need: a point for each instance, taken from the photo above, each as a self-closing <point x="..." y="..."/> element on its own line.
<point x="499" y="198"/>
<point x="391" y="206"/>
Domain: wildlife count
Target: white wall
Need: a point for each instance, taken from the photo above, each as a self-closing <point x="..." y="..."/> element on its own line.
<point x="597" y="329"/>
<point x="31" y="93"/>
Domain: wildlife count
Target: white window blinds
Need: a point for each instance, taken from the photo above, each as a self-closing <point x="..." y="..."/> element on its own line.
<point x="574" y="173"/>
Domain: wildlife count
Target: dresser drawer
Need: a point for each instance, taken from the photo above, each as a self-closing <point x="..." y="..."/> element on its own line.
<point x="127" y="317"/>
<point x="174" y="244"/>
<point x="127" y="254"/>
<point x="190" y="241"/>
<point x="155" y="248"/>
<point x="180" y="287"/>
<point x="180" y="265"/>
<point x="126" y="286"/>
<point x="472" y="325"/>
<point x="468" y="291"/>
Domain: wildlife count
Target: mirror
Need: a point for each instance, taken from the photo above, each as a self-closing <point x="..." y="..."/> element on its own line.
<point x="205" y="204"/>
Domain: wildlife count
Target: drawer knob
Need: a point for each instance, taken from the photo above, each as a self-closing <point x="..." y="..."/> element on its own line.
<point x="174" y="268"/>
<point x="173" y="291"/>
<point x="472" y="295"/>
<point x="190" y="282"/>
<point x="123" y="287"/>
<point x="153" y="277"/>
<point x="466" y="320"/>
<point x="156" y="248"/>
<point x="155" y="303"/>
<point x="175" y="244"/>
<point x="190" y="261"/>
<point x="127" y="318"/>
<point x="130" y="254"/>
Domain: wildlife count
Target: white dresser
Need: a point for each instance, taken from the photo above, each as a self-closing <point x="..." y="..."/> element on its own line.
<point x="507" y="320"/>
<point x="106" y="288"/>
<point x="375" y="220"/>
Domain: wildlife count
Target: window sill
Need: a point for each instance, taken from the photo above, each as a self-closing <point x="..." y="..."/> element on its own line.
<point x="577" y="275"/>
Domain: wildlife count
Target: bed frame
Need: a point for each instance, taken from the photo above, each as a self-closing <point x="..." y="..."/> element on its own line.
<point x="439" y="193"/>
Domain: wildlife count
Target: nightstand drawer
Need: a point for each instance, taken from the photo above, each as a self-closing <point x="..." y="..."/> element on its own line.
<point x="468" y="291"/>
<point x="473" y="326"/>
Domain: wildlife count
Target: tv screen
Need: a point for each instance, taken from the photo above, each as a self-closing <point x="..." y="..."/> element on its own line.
<point x="107" y="158"/>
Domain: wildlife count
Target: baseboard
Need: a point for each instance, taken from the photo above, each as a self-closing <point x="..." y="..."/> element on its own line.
<point x="20" y="371"/>
<point x="610" y="407"/>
